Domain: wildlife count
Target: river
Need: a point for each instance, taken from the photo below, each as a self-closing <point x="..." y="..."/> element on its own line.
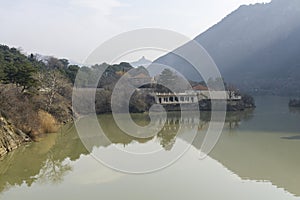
<point x="256" y="157"/>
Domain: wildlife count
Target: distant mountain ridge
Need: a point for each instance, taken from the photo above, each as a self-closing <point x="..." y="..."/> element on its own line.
<point x="141" y="62"/>
<point x="256" y="48"/>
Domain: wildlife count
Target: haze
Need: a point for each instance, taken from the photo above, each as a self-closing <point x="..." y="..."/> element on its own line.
<point x="74" y="28"/>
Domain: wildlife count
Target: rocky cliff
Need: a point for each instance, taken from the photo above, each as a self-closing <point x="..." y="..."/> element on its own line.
<point x="10" y="137"/>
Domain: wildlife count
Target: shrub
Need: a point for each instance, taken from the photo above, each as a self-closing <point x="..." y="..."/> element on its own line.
<point x="48" y="124"/>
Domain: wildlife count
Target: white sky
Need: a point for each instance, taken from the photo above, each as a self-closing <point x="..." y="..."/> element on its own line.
<point x="74" y="28"/>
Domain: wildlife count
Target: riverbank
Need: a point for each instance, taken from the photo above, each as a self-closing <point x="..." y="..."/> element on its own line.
<point x="10" y="137"/>
<point x="36" y="93"/>
<point x="23" y="119"/>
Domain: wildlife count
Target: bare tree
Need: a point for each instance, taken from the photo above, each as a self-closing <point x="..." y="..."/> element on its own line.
<point x="51" y="84"/>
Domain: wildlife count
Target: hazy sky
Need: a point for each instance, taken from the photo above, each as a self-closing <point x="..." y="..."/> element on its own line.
<point x="74" y="28"/>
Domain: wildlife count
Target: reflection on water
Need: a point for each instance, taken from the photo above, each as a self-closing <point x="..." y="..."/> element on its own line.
<point x="42" y="161"/>
<point x="294" y="110"/>
<point x="251" y="153"/>
<point x="297" y="137"/>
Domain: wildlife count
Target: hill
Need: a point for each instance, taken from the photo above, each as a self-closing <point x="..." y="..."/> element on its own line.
<point x="255" y="47"/>
<point x="141" y="62"/>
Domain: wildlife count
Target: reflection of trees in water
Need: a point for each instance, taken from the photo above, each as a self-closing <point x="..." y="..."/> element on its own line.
<point x="294" y="110"/>
<point x="172" y="126"/>
<point x="232" y="119"/>
<point x="261" y="156"/>
<point x="175" y="124"/>
<point x="53" y="171"/>
<point x="167" y="135"/>
<point x="43" y="161"/>
<point x="167" y="140"/>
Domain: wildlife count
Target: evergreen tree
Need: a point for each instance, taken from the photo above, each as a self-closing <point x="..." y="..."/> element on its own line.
<point x="16" y="68"/>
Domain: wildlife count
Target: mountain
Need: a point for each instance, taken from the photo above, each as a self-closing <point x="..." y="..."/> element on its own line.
<point x="256" y="47"/>
<point x="141" y="62"/>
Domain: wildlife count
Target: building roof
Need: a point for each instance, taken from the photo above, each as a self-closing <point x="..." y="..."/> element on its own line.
<point x="200" y="87"/>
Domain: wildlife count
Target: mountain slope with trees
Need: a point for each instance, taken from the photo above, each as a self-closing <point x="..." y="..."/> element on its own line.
<point x="256" y="48"/>
<point x="35" y="94"/>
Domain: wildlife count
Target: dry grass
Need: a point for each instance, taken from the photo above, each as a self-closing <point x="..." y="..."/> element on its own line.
<point x="48" y="124"/>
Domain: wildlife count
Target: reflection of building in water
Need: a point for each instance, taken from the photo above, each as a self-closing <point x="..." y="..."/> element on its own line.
<point x="192" y="120"/>
<point x="17" y="169"/>
<point x="174" y="125"/>
<point x="174" y="122"/>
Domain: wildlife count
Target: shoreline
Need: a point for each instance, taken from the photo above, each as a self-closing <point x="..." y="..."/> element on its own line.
<point x="11" y="137"/>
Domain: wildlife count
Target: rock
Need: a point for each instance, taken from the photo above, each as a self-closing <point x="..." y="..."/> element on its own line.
<point x="10" y="137"/>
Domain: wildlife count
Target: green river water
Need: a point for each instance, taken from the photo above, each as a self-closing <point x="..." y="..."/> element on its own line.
<point x="257" y="157"/>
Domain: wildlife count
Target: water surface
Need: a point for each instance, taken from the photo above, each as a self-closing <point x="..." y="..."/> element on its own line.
<point x="257" y="157"/>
